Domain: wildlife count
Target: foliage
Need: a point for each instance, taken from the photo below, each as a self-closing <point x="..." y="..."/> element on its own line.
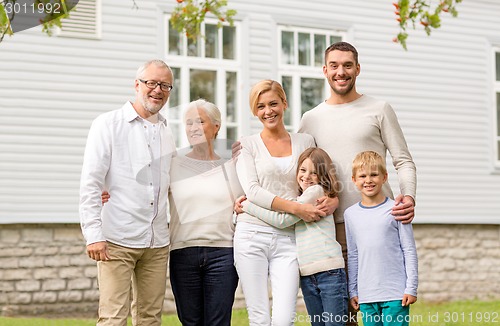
<point x="409" y="12"/>
<point x="189" y="14"/>
<point x="51" y="19"/>
<point x="5" y="27"/>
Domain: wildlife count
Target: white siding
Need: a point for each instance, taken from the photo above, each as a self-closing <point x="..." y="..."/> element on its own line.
<point x="51" y="89"/>
<point x="440" y="89"/>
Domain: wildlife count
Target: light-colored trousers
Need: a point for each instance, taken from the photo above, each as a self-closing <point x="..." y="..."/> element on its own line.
<point x="262" y="253"/>
<point x="148" y="268"/>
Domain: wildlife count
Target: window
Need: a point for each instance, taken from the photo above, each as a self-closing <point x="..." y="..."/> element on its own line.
<point x="497" y="107"/>
<point x="301" y="60"/>
<point x="84" y="20"/>
<point x="210" y="69"/>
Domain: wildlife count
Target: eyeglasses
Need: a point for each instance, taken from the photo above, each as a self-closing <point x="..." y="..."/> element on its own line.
<point x="152" y="84"/>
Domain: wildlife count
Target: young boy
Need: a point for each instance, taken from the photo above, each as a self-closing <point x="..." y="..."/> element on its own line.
<point x="382" y="258"/>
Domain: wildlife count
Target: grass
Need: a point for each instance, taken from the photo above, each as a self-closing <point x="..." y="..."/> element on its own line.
<point x="462" y="313"/>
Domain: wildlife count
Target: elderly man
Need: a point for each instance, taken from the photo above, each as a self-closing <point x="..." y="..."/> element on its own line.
<point x="128" y="152"/>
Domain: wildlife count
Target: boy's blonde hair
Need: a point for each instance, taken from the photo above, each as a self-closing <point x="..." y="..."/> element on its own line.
<point x="324" y="169"/>
<point x="262" y="87"/>
<point x="367" y="160"/>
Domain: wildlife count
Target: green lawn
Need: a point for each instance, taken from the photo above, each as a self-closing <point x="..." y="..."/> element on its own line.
<point x="465" y="313"/>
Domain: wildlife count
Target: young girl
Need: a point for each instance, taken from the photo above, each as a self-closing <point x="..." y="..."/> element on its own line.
<point x="323" y="279"/>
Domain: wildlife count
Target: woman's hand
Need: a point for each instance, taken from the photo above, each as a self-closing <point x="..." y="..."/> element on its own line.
<point x="238" y="207"/>
<point x="105" y="197"/>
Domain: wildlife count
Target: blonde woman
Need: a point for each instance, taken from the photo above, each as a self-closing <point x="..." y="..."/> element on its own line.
<point x="266" y="169"/>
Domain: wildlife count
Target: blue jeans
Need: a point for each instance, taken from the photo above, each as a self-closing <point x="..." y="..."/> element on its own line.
<point x="325" y="295"/>
<point x="203" y="281"/>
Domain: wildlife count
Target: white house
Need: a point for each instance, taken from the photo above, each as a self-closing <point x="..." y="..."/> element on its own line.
<point x="445" y="90"/>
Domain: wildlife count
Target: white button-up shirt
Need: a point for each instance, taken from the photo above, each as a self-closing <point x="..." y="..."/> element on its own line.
<point x="120" y="157"/>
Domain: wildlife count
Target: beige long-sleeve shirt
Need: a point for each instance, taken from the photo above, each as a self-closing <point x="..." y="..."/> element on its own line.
<point x="201" y="201"/>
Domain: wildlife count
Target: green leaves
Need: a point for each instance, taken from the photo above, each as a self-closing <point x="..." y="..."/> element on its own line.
<point x="3" y="17"/>
<point x="52" y="18"/>
<point x="16" y="15"/>
<point x="413" y="11"/>
<point x="189" y="14"/>
<point x="5" y="27"/>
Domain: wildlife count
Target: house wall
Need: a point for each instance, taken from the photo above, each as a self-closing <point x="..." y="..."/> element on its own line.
<point x="51" y="88"/>
<point x="44" y="269"/>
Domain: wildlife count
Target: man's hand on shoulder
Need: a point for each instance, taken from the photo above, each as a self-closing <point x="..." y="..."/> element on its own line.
<point x="404" y="209"/>
<point x="235" y="150"/>
<point x="327" y="204"/>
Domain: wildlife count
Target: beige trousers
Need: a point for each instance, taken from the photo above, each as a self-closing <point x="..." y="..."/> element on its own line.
<point x="148" y="269"/>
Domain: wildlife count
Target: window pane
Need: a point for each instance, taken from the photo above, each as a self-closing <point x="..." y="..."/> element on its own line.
<point x="335" y="39"/>
<point x="211" y="41"/>
<point x="498" y="114"/>
<point x="498" y="150"/>
<point x="231" y="97"/>
<point x="176" y="131"/>
<point x="193" y="48"/>
<point x="312" y="93"/>
<point x="287" y="48"/>
<point x="286" y="82"/>
<point x="228" y="42"/>
<point x="174" y="98"/>
<point x="203" y="85"/>
<point x="174" y="41"/>
<point x="497" y="58"/>
<point x="319" y="49"/>
<point x="231" y="133"/>
<point x="304" y="49"/>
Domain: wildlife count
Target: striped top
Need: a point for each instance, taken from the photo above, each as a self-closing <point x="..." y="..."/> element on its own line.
<point x="317" y="248"/>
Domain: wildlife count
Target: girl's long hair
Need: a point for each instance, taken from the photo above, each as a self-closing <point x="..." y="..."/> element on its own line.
<point x="325" y="170"/>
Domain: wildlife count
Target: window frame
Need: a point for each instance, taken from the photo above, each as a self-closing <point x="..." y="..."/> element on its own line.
<point x="495" y="109"/>
<point x="221" y="66"/>
<point x="297" y="71"/>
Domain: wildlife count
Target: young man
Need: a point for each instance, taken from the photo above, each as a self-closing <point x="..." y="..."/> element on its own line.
<point x="348" y="123"/>
<point x="128" y="152"/>
<point x="383" y="267"/>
